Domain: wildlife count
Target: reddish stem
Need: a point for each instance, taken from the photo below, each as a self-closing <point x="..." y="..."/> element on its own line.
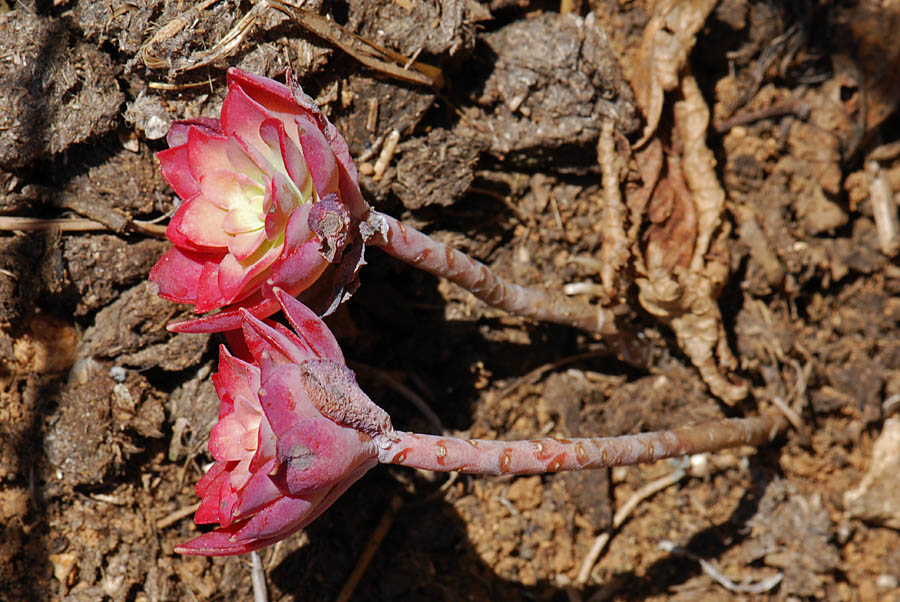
<point x="481" y="456"/>
<point x="415" y="248"/>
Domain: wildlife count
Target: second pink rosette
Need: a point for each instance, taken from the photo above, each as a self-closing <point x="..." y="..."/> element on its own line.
<point x="281" y="456"/>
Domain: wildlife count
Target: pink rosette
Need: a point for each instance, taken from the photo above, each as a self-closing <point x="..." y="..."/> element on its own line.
<point x="280" y="462"/>
<point x="270" y="199"/>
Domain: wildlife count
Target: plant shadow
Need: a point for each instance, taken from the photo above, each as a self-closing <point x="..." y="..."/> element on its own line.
<point x="427" y="553"/>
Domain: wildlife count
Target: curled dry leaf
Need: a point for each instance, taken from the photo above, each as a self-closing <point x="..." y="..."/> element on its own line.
<point x="686" y="259"/>
<point x="673" y="218"/>
<point x="691" y="119"/>
<point x="668" y="39"/>
<point x="649" y="162"/>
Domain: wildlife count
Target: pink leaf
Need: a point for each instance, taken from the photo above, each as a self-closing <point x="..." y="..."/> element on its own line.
<point x="200" y="221"/>
<point x="177" y="275"/>
<point x="269" y="344"/>
<point x="229" y="319"/>
<point x="173" y="163"/>
<point x="178" y="131"/>
<point x="319" y="156"/>
<point x="310" y="328"/>
<point x="209" y="295"/>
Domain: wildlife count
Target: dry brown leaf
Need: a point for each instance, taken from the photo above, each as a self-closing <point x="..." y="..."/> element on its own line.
<point x="649" y="162"/>
<point x="692" y="119"/>
<point x="687" y="303"/>
<point x="686" y="258"/>
<point x="673" y="229"/>
<point x="667" y="42"/>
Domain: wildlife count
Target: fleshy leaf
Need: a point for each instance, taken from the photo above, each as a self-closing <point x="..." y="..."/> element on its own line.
<point x="310" y="328"/>
<point x="175" y="168"/>
<point x="177" y="275"/>
<point x="319" y="157"/>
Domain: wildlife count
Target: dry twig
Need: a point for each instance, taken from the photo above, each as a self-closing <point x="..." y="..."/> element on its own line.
<point x="884" y="210"/>
<point x="368" y="552"/>
<point x="387" y="153"/>
<point x="716" y="575"/>
<point x="622" y="514"/>
<point x="80" y="224"/>
<point x="176" y="516"/>
<point x="795" y="106"/>
<point x="368" y="53"/>
<point x="258" y="578"/>
<point x="614" y="248"/>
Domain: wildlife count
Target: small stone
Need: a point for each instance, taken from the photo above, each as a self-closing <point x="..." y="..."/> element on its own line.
<point x="877" y="499"/>
<point x="62" y="566"/>
<point x="155" y="128"/>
